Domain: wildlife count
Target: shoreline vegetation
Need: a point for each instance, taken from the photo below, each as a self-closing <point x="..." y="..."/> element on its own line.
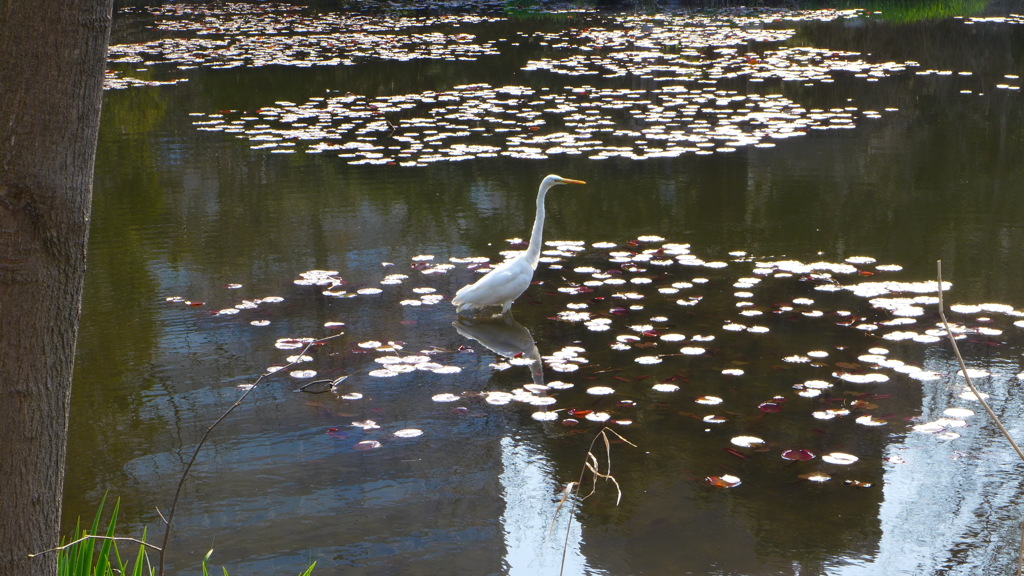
<point x="90" y="553"/>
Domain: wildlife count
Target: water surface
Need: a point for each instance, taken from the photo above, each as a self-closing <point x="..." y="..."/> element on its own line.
<point x="395" y="150"/>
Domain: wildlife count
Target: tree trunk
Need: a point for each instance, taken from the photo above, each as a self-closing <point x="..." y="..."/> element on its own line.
<point x="52" y="57"/>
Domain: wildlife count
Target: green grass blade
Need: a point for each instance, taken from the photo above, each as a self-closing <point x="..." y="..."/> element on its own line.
<point x="140" y="559"/>
<point x="206" y="560"/>
<point x="86" y="548"/>
<point x="66" y="557"/>
<point x="103" y="561"/>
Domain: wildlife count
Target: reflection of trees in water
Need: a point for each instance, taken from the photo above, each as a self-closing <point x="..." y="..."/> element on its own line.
<point x="948" y="160"/>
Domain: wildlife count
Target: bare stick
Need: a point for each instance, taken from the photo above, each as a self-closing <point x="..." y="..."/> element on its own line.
<point x="1020" y="552"/>
<point x="195" y="453"/>
<point x="91" y="537"/>
<point x="565" y="545"/>
<point x="963" y="369"/>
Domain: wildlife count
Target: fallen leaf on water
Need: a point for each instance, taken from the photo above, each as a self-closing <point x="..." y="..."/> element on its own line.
<point x="723" y="481"/>
<point x="801" y="455"/>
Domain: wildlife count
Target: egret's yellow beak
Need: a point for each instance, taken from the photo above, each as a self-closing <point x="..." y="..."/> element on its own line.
<point x="571" y="181"/>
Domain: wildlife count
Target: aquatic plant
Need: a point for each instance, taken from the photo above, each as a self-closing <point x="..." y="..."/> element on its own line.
<point x="206" y="571"/>
<point x="80" y="556"/>
<point x="906" y="11"/>
<point x="592" y="468"/>
<point x="94" y="551"/>
<point x="520" y="8"/>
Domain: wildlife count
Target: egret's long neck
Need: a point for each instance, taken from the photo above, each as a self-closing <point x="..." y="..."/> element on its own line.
<point x="537" y="237"/>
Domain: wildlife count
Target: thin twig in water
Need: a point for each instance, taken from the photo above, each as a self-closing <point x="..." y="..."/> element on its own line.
<point x="592" y="464"/>
<point x="963" y="369"/>
<point x="977" y="394"/>
<point x="202" y="441"/>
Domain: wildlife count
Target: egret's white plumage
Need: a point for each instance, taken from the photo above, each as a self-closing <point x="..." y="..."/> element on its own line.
<point x="508" y="280"/>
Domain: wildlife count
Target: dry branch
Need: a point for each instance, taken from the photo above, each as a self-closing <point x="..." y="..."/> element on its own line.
<point x="202" y="441"/>
<point x="977" y="394"/>
<point x="591" y="463"/>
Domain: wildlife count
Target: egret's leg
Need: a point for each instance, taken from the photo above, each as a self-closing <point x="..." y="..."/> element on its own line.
<point x="506" y="307"/>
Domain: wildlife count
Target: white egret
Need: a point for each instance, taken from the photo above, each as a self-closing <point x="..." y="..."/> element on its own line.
<point x="511" y="278"/>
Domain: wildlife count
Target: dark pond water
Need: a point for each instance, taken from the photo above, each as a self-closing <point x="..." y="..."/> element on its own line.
<point x="744" y="289"/>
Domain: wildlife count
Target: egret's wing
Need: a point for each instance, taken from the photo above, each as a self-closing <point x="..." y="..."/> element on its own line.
<point x="502" y="284"/>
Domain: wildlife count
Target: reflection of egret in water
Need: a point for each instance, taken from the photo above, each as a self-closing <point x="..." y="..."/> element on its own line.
<point x="506" y="337"/>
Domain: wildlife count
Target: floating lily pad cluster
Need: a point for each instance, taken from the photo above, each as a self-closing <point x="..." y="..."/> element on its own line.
<point x="691" y="113"/>
<point x="337" y="49"/>
<point x="479" y="120"/>
<point x="1008" y="19"/>
<point x="112" y="80"/>
<point x="698" y="48"/>
<point x="252" y="36"/>
<point x="705" y="47"/>
<point x="613" y="299"/>
<point x="239" y="18"/>
<point x="629" y="306"/>
<point x="802" y="64"/>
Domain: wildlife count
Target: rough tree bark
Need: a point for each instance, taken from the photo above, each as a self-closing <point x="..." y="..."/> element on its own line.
<point x="52" y="57"/>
